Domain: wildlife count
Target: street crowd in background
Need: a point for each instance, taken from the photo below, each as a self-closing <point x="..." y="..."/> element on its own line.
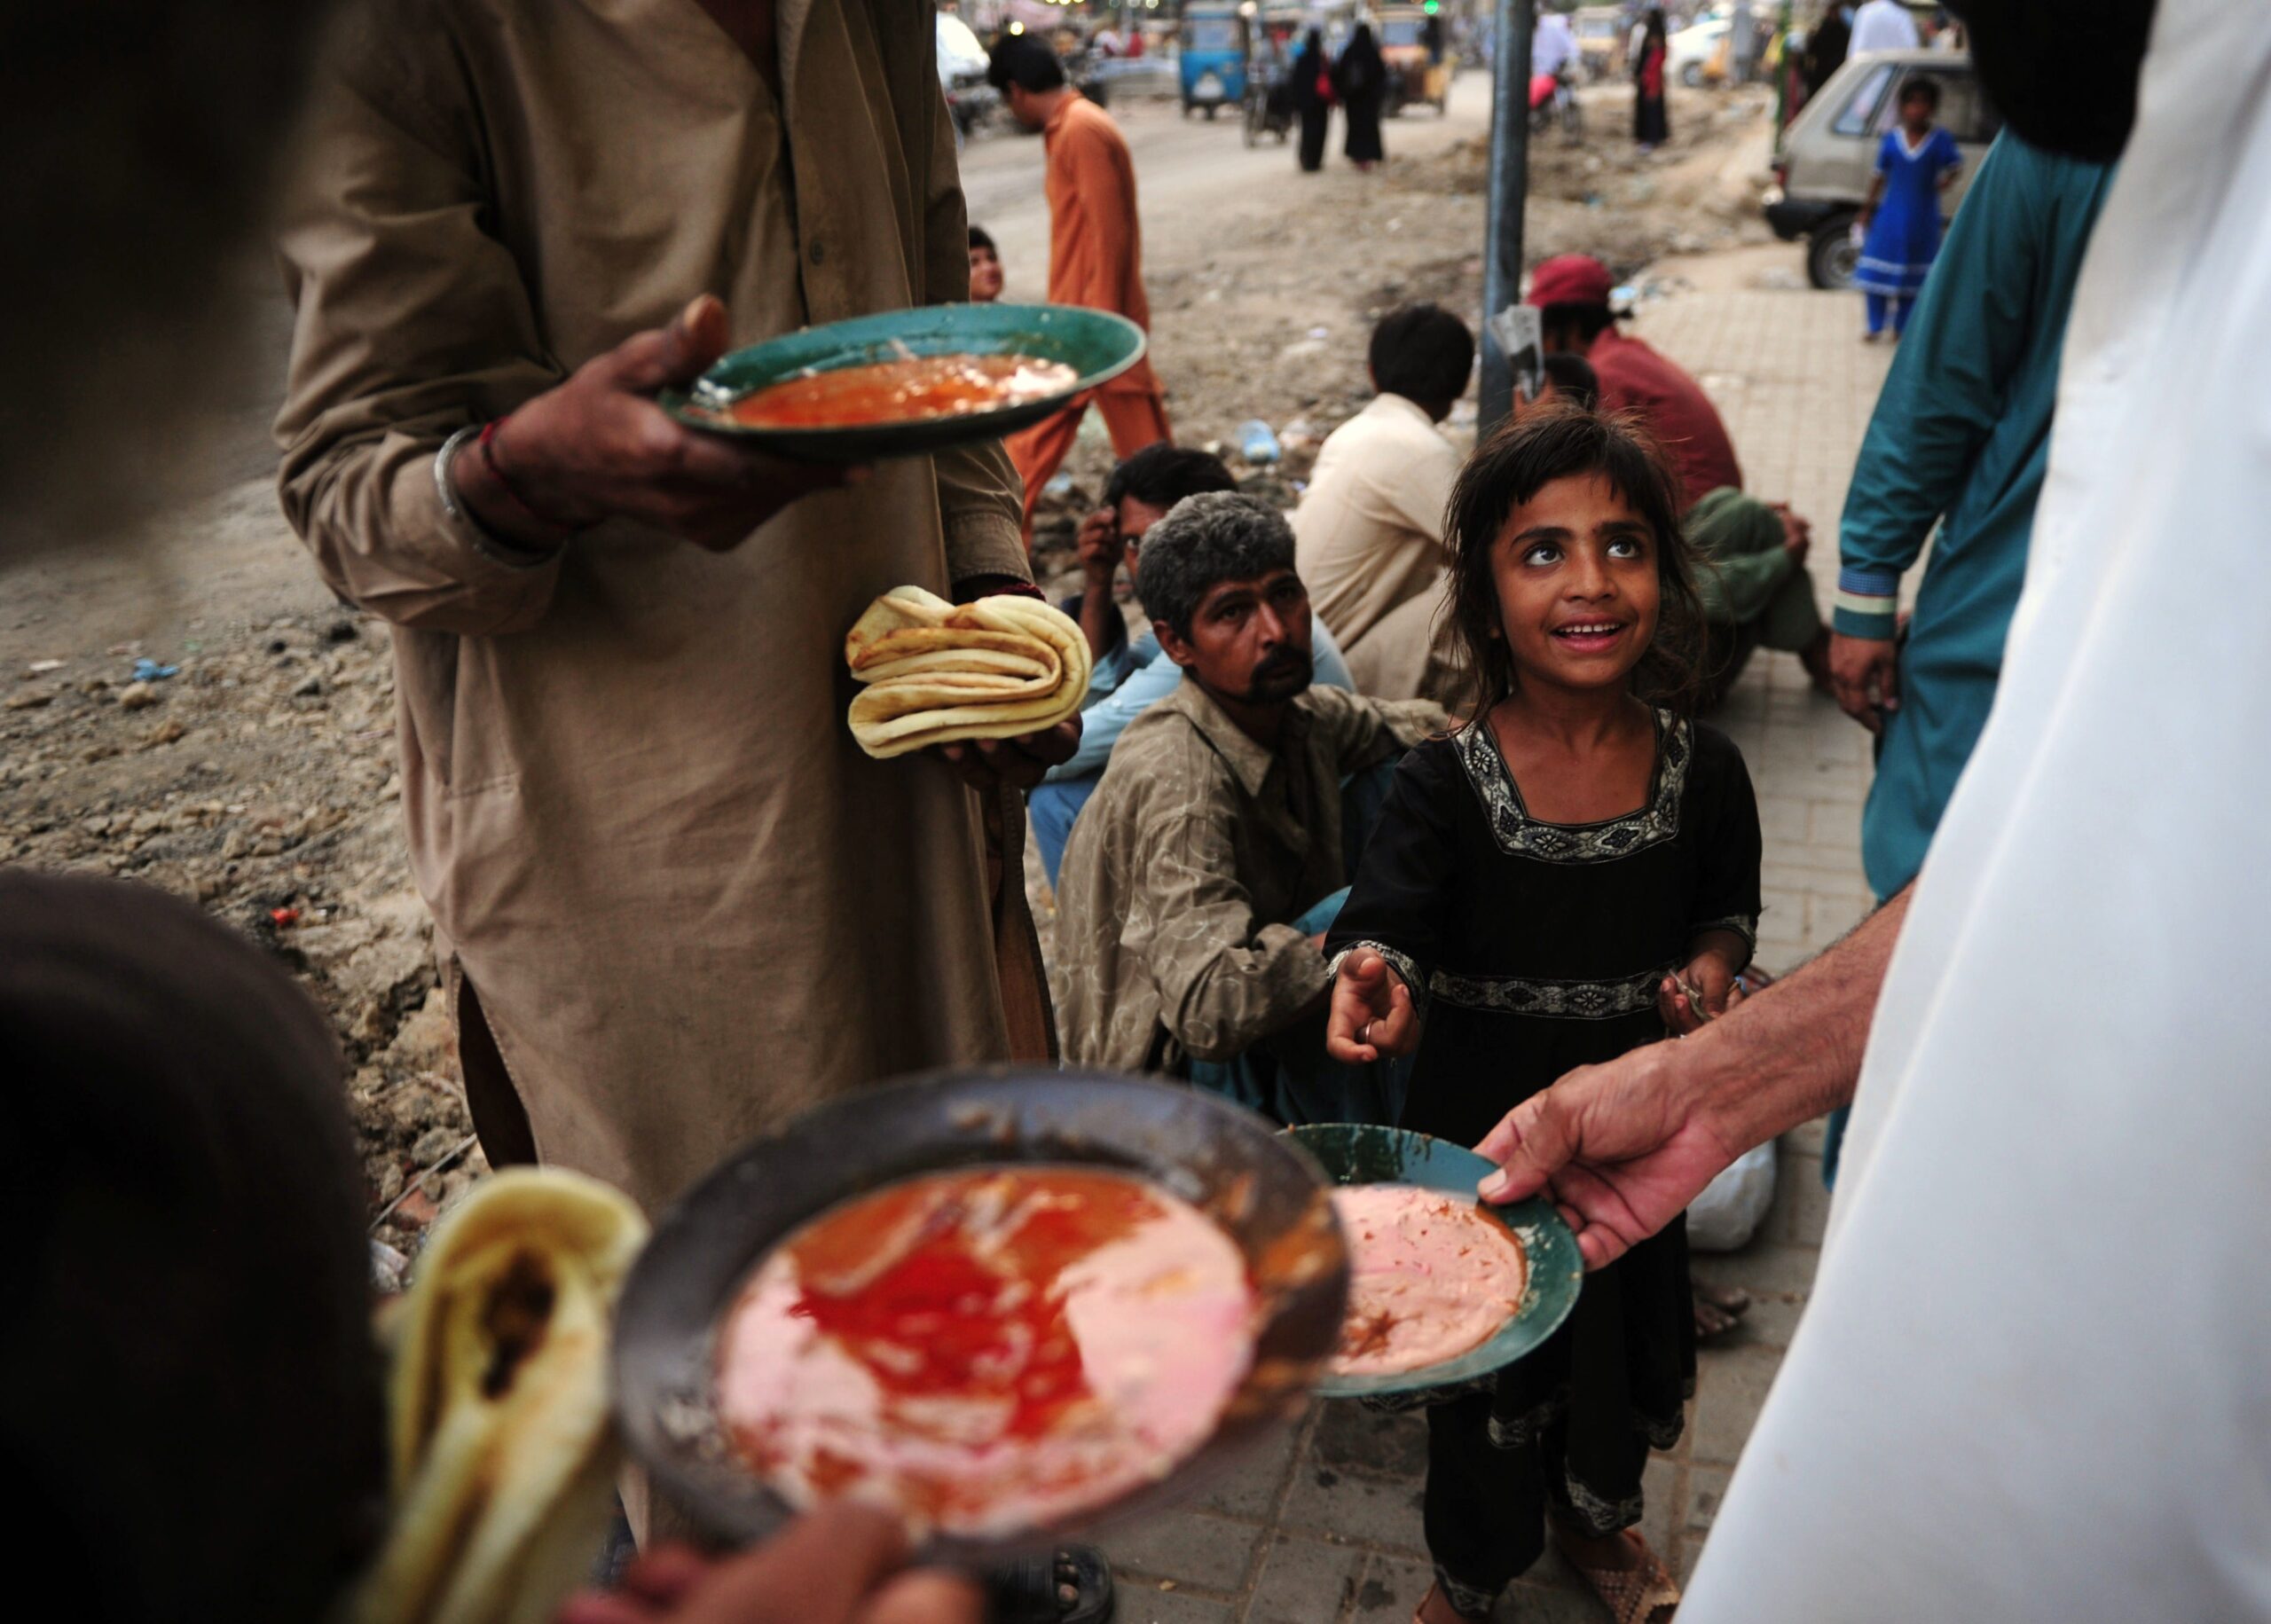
<point x="1405" y="806"/>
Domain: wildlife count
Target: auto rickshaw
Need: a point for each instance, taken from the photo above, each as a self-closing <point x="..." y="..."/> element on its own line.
<point x="1420" y="66"/>
<point x="1214" y="57"/>
<point x="1600" y="33"/>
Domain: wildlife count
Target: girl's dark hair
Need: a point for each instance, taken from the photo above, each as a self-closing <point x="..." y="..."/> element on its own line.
<point x="1558" y="440"/>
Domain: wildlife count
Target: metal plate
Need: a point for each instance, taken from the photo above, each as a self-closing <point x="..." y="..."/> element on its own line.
<point x="1353" y="1153"/>
<point x="1265" y="1192"/>
<point x="1097" y="345"/>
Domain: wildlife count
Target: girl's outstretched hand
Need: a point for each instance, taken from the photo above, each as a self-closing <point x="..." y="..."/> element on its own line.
<point x="1372" y="1018"/>
<point x="1702" y="990"/>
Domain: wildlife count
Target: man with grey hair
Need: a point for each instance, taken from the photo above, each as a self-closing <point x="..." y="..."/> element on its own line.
<point x="1200" y="879"/>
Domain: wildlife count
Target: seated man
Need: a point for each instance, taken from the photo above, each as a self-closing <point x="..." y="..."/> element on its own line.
<point x="1130" y="676"/>
<point x="1199" y="883"/>
<point x="1370" y="528"/>
<point x="1757" y="591"/>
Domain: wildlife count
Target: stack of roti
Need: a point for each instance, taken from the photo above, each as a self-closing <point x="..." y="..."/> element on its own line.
<point x="503" y="1449"/>
<point x="937" y="673"/>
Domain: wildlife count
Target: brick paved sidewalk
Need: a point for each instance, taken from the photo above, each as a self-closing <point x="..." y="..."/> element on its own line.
<point x="1325" y="1529"/>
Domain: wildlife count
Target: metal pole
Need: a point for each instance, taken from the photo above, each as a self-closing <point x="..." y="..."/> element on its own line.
<point x="1501" y="254"/>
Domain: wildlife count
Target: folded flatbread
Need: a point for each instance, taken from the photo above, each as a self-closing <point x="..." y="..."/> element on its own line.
<point x="502" y="1450"/>
<point x="937" y="673"/>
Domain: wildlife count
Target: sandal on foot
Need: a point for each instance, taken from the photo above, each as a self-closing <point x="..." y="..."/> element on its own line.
<point x="1032" y="1591"/>
<point x="1644" y="1594"/>
<point x="1419" y="1613"/>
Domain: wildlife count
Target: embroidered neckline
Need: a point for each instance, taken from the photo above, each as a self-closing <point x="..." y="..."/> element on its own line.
<point x="1520" y="834"/>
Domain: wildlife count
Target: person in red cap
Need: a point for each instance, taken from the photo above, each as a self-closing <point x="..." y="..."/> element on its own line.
<point x="1757" y="591"/>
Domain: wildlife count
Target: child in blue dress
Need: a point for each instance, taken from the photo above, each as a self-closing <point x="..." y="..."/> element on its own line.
<point x="1916" y="161"/>
<point x="1566" y="877"/>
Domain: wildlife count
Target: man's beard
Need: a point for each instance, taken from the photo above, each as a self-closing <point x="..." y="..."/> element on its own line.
<point x="1280" y="677"/>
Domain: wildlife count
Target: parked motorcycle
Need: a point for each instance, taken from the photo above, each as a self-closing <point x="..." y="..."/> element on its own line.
<point x="1268" y="106"/>
<point x="972" y="106"/>
<point x="1553" y="100"/>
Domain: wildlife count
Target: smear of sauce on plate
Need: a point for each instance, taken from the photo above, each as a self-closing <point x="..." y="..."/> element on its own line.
<point x="910" y="389"/>
<point x="1431" y="1276"/>
<point x="987" y="1351"/>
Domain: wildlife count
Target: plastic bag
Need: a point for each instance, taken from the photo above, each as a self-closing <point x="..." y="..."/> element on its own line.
<point x="1732" y="1205"/>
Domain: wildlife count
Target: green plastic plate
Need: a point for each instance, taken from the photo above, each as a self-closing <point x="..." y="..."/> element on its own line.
<point x="1356" y="1153"/>
<point x="1097" y="346"/>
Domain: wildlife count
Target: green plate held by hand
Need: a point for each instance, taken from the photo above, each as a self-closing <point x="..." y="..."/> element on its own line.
<point x="1358" y="1153"/>
<point x="1097" y="345"/>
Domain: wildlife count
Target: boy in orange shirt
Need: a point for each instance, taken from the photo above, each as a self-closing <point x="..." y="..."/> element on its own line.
<point x="1096" y="252"/>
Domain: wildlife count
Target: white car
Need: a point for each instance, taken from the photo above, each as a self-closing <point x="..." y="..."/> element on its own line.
<point x="1688" y="52"/>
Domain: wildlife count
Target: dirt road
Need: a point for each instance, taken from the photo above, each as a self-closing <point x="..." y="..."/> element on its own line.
<point x="1189" y="171"/>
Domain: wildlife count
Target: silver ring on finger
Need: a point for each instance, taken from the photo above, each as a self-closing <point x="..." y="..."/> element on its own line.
<point x="1365" y="1036"/>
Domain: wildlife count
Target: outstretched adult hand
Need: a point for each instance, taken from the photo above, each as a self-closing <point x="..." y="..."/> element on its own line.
<point x="1622" y="1148"/>
<point x="1371" y="1015"/>
<point x="597" y="446"/>
<point x="837" y="1565"/>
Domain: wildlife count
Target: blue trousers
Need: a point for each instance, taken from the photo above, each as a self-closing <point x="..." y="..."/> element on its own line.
<point x="1052" y="808"/>
<point x="1877" y="303"/>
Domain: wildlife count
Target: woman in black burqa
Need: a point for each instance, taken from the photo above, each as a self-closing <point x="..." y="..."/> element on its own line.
<point x="1650" y="127"/>
<point x="1360" y="79"/>
<point x="1312" y="98"/>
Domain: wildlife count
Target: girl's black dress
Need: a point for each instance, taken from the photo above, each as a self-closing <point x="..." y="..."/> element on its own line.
<point x="1533" y="948"/>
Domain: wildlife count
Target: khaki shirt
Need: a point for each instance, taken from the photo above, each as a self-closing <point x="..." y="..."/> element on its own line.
<point x="1369" y="533"/>
<point x="690" y="905"/>
<point x="1186" y="863"/>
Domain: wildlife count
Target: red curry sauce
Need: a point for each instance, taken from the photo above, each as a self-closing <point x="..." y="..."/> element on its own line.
<point x="917" y="388"/>
<point x="987" y="1351"/>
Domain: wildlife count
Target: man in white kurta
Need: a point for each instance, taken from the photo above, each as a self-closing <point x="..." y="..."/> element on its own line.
<point x="2034" y="1381"/>
<point x="1882" y="25"/>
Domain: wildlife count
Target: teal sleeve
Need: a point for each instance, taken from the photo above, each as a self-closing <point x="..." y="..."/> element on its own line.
<point x="1946" y="388"/>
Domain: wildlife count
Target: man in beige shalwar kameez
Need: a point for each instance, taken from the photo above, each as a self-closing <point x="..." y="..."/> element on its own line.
<point x="1370" y="528"/>
<point x="690" y="905"/>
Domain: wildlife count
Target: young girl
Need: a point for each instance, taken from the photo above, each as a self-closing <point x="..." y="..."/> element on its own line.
<point x="1544" y="889"/>
<point x="1916" y="161"/>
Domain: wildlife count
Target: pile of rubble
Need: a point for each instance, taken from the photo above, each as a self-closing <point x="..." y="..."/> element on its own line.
<point x="252" y="769"/>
